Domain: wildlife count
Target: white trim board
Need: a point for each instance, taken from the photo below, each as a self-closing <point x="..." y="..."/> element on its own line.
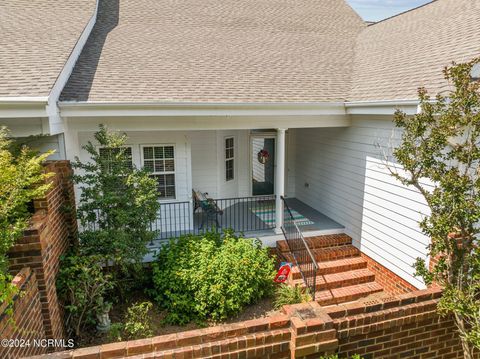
<point x="55" y="120"/>
<point x="173" y="123"/>
<point x="105" y="109"/>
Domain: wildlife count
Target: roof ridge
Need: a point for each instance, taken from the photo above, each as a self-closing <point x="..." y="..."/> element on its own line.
<point x="403" y="12"/>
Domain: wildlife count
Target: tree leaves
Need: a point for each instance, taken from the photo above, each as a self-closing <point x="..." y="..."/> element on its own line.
<point x="442" y="144"/>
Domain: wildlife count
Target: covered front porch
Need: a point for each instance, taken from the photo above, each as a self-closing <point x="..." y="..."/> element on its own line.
<point x="240" y="162"/>
<point x="252" y="216"/>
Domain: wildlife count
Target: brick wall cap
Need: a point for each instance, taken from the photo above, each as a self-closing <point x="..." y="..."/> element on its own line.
<point x="113" y="349"/>
<point x="139" y="346"/>
<point x="87" y="353"/>
<point x="58" y="355"/>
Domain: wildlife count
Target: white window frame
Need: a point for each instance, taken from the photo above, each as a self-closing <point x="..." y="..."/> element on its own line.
<point x="174" y="172"/>
<point x="230" y="158"/>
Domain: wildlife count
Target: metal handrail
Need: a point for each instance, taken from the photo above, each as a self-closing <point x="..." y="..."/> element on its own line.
<point x="303" y="256"/>
<point x="312" y="257"/>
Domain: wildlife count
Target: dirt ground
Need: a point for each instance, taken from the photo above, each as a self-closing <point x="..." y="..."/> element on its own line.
<point x="263" y="308"/>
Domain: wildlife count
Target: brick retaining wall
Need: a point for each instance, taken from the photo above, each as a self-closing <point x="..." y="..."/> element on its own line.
<point x="391" y="283"/>
<point x="402" y="326"/>
<point x="53" y="228"/>
<point x="27" y="323"/>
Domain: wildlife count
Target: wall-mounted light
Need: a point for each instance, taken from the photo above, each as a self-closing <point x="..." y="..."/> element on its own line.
<point x="475" y="72"/>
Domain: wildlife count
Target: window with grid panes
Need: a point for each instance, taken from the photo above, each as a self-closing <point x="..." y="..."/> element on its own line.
<point x="229" y="159"/>
<point x="109" y="155"/>
<point x="160" y="162"/>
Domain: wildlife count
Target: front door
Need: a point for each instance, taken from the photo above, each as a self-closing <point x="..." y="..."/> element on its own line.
<point x="263" y="165"/>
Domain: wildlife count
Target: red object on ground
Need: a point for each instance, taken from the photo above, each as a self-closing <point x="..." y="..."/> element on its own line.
<point x="283" y="273"/>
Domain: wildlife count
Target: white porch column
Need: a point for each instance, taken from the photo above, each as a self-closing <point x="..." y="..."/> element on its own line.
<point x="279" y="178"/>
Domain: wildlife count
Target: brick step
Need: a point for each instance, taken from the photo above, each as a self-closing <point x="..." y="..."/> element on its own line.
<point x="331" y="240"/>
<point x="335" y="266"/>
<point x="347" y="294"/>
<point x="329" y="254"/>
<point x="342" y="279"/>
<point x="335" y="253"/>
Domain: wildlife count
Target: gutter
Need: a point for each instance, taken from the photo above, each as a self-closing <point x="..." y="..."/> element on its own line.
<point x="82" y="109"/>
<point x="382" y="107"/>
<point x="131" y="109"/>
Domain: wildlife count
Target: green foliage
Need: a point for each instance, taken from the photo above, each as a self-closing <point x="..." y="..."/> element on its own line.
<point x="82" y="286"/>
<point x="441" y="147"/>
<point x="335" y="356"/>
<point x="22" y="179"/>
<point x="137" y="323"/>
<point x="211" y="277"/>
<point x="285" y="294"/>
<point x="115" y="334"/>
<point x="117" y="203"/>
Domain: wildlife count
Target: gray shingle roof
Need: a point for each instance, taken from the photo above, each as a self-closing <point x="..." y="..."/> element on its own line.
<point x="396" y="56"/>
<point x="217" y="51"/>
<point x="36" y="39"/>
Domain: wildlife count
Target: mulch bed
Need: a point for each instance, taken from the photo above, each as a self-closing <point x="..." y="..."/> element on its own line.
<point x="263" y="308"/>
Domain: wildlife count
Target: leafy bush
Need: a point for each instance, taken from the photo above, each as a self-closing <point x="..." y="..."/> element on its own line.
<point x="118" y="202"/>
<point x="286" y="294"/>
<point x="211" y="277"/>
<point x="82" y="286"/>
<point x="335" y="356"/>
<point x="137" y="323"/>
<point x="115" y="334"/>
<point x="22" y="179"/>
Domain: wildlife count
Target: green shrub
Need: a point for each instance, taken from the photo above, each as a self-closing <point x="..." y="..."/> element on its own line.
<point x="211" y="277"/>
<point x="286" y="294"/>
<point x="22" y="179"/>
<point x="115" y="334"/>
<point x="335" y="356"/>
<point x="117" y="204"/>
<point x="137" y="323"/>
<point x="82" y="286"/>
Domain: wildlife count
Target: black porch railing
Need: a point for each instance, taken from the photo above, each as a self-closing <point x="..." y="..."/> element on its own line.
<point x="242" y="214"/>
<point x="302" y="255"/>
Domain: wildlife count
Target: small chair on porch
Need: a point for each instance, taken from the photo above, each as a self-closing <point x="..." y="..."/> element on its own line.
<point x="209" y="207"/>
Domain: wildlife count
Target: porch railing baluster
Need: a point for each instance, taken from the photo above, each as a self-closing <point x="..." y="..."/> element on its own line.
<point x="302" y="255"/>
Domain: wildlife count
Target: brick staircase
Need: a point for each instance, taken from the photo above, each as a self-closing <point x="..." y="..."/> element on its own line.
<point x="342" y="276"/>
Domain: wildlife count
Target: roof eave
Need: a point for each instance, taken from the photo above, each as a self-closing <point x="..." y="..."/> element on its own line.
<point x="23" y="107"/>
<point x="123" y="109"/>
<point x="382" y="107"/>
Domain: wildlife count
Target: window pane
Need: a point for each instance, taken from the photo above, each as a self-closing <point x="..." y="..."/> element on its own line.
<point x="229" y="172"/>
<point x="170" y="192"/>
<point x="159" y="166"/>
<point x="169" y="166"/>
<point x="169" y="153"/>
<point x="110" y="157"/>
<point x="170" y="180"/>
<point x="158" y="152"/>
<point x="160" y="180"/>
<point x="148" y="165"/>
<point x="148" y="153"/>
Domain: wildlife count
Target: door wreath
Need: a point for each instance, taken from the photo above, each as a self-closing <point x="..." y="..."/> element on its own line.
<point x="263" y="156"/>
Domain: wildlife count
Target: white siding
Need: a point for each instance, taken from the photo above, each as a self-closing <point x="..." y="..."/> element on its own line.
<point x="136" y="139"/>
<point x="49" y="143"/>
<point x="204" y="161"/>
<point x="340" y="173"/>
